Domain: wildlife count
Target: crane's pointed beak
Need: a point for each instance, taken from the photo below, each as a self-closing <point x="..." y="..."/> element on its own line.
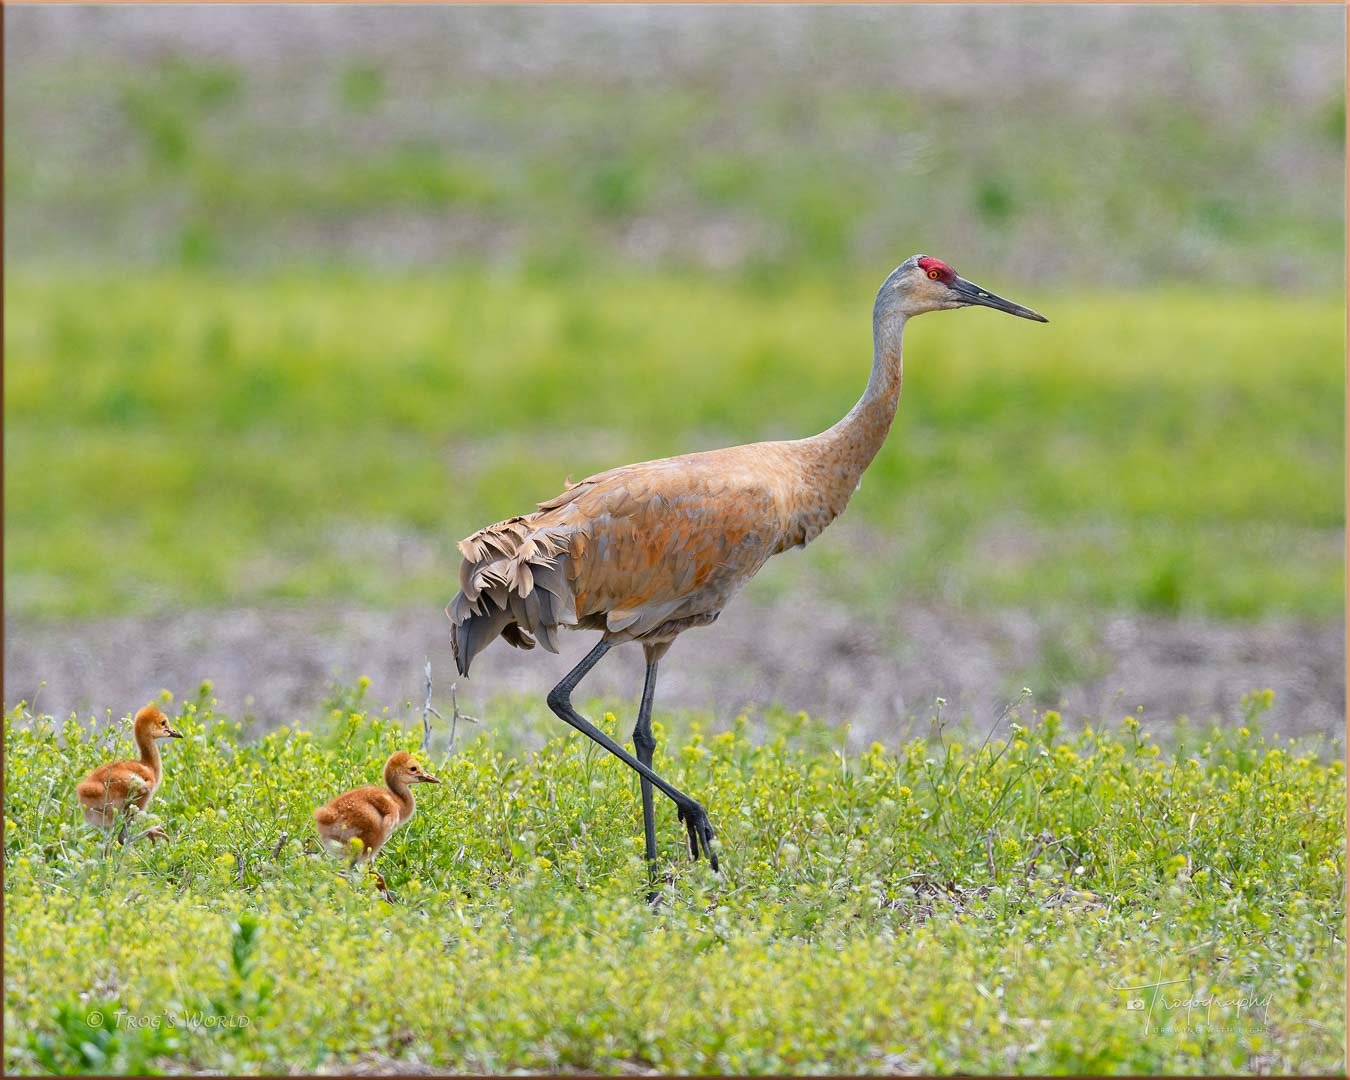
<point x="972" y="294"/>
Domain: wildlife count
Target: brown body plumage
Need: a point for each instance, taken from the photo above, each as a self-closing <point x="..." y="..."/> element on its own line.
<point x="371" y="814"/>
<point x="116" y="792"/>
<point x="647" y="551"/>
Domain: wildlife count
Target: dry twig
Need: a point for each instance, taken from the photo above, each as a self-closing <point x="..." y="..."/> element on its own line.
<point x="429" y="710"/>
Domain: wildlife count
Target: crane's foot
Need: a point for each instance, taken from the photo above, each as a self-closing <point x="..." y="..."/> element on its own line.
<point x="384" y="889"/>
<point x="701" y="833"/>
<point x="153" y="834"/>
<point x="127" y="814"/>
<point x="658" y="888"/>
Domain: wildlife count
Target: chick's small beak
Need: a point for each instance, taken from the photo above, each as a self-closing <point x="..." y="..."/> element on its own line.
<point x="427" y="778"/>
<point x="970" y="293"/>
<point x="175" y="734"/>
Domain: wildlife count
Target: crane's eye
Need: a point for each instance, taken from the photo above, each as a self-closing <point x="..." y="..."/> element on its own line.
<point x="934" y="275"/>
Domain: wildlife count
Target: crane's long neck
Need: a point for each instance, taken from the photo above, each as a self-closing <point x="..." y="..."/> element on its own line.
<point x="833" y="461"/>
<point x="852" y="443"/>
<point x="145" y="742"/>
<point x="403" y="793"/>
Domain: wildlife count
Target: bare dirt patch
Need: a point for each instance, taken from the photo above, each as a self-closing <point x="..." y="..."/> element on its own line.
<point x="881" y="674"/>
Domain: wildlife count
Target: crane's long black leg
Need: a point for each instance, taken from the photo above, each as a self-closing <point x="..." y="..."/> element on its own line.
<point x="644" y="742"/>
<point x="692" y="814"/>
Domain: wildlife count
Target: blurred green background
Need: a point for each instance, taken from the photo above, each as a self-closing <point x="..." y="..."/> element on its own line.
<point x="296" y="298"/>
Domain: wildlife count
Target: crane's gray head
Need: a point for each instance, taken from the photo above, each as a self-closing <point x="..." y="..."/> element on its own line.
<point x="922" y="283"/>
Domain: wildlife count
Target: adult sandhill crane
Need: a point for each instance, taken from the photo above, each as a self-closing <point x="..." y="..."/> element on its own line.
<point x="647" y="551"/>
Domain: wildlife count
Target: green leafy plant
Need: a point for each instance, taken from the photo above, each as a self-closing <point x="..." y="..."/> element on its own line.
<point x="934" y="905"/>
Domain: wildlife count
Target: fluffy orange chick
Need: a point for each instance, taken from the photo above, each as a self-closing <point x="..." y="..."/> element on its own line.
<point x="124" y="788"/>
<point x="371" y="814"/>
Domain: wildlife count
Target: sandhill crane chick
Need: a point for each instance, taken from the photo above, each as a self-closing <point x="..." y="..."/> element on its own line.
<point x="371" y="814"/>
<point x="124" y="788"/>
<point x="645" y="552"/>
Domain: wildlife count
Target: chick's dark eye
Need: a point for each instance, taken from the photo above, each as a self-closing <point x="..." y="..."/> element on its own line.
<point x="934" y="275"/>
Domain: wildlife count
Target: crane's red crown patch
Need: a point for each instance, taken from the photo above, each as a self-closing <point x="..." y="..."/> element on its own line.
<point x="937" y="269"/>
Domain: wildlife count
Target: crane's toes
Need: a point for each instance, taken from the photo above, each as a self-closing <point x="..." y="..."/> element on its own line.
<point x="701" y="832"/>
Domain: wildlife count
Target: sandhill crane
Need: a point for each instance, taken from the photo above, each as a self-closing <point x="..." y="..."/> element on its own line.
<point x="647" y="551"/>
<point x="371" y="814"/>
<point x="124" y="788"/>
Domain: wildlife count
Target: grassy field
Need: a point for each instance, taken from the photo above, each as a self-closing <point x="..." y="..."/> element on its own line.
<point x="930" y="906"/>
<point x="296" y="299"/>
<point x="185" y="439"/>
<point x="1106" y="146"/>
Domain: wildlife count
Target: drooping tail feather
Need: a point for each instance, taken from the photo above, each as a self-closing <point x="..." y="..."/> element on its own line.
<point x="513" y="584"/>
<point x="469" y="637"/>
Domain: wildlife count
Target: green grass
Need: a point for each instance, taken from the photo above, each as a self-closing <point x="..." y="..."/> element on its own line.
<point x="182" y="439"/>
<point x="940" y="905"/>
<point x="752" y="153"/>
